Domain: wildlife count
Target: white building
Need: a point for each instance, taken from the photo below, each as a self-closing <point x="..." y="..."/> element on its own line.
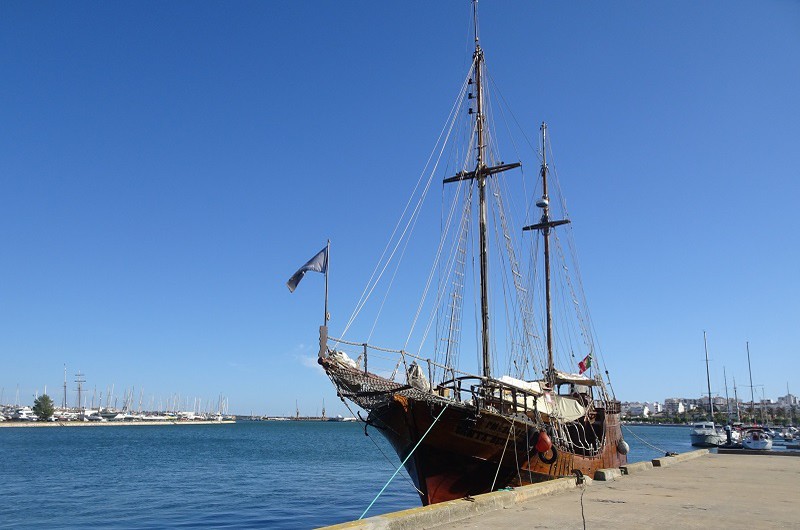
<point x="635" y="409"/>
<point x="674" y="406"/>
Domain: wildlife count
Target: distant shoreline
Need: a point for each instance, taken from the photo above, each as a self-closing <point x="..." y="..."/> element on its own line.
<point x="647" y="424"/>
<point x="107" y="423"/>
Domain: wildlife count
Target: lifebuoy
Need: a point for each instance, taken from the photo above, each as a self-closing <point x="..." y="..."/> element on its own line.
<point x="550" y="460"/>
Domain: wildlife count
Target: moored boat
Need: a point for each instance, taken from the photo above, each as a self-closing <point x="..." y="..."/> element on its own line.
<point x="756" y="438"/>
<point x="707" y="434"/>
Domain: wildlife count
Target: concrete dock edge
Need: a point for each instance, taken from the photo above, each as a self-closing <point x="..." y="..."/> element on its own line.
<point x="453" y="511"/>
<point x="459" y="509"/>
<point x="638" y="467"/>
<point x="607" y="475"/>
<point x="666" y="461"/>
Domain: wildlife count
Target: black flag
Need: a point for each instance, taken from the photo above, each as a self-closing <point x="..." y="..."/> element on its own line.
<point x="318" y="263"/>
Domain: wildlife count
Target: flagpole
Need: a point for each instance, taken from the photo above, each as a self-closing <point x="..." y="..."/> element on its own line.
<point x="327" y="266"/>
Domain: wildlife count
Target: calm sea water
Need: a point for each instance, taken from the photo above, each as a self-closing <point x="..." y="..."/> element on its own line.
<point x="248" y="475"/>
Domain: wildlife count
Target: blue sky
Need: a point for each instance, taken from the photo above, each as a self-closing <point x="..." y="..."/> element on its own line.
<point x="165" y="167"/>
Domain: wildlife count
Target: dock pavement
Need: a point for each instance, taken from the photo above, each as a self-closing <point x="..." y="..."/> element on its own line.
<point x="693" y="490"/>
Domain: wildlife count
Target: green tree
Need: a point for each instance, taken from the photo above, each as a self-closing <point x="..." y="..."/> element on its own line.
<point x="43" y="407"/>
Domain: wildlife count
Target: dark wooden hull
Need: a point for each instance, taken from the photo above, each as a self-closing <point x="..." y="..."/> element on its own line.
<point x="467" y="454"/>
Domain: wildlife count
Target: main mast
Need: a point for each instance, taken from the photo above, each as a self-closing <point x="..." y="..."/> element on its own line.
<point x="481" y="174"/>
<point x="481" y="164"/>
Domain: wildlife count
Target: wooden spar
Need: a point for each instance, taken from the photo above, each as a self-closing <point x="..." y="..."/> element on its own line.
<point x="327" y="267"/>
<point x="484" y="253"/>
<point x="481" y="174"/>
<point x="545" y="225"/>
<point x="545" y="218"/>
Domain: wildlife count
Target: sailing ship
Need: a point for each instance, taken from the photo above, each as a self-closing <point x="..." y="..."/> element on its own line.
<point x="458" y="428"/>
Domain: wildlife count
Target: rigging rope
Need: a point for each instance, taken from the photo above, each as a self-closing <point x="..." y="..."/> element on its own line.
<point x="432" y="274"/>
<point x="404" y="461"/>
<point x="367" y="289"/>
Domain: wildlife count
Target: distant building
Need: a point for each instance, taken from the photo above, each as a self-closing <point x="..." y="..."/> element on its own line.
<point x="635" y="409"/>
<point x="719" y="403"/>
<point x="692" y="404"/>
<point x="788" y="400"/>
<point x="657" y="408"/>
<point x="674" y="406"/>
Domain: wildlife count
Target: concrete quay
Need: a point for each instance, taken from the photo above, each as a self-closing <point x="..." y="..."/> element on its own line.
<point x="692" y="490"/>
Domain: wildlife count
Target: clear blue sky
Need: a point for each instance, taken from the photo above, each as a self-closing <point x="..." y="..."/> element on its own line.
<point x="165" y="167"/>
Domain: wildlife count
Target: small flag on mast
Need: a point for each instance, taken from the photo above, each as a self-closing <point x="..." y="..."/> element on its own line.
<point x="318" y="263"/>
<point x="585" y="364"/>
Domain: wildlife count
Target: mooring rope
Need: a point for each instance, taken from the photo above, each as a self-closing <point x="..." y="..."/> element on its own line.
<point x="651" y="446"/>
<point x="502" y="455"/>
<point x="404" y="462"/>
<point x="390" y="461"/>
<point x="582" y="483"/>
<point x="353" y="414"/>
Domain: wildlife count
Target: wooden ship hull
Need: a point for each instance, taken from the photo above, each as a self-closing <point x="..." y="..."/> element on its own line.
<point x="454" y="449"/>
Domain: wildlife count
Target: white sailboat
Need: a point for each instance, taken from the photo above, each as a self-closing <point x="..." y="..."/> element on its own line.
<point x="707" y="434"/>
<point x="756" y="438"/>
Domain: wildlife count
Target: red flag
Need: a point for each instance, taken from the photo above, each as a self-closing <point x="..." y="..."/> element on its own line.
<point x="585" y="364"/>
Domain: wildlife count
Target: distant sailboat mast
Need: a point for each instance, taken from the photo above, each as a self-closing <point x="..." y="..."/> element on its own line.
<point x="752" y="397"/>
<point x="708" y="379"/>
<point x="64" y="400"/>
<point x="727" y="398"/>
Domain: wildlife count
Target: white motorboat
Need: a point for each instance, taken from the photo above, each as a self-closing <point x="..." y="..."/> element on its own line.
<point x="24" y="414"/>
<point x="707" y="434"/>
